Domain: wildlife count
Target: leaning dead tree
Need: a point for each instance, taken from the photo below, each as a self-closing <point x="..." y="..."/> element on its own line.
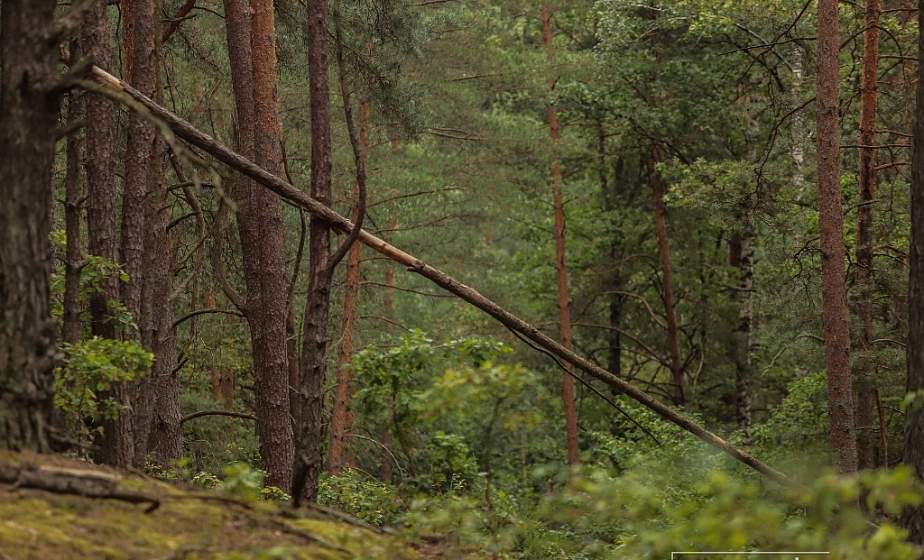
<point x="173" y="124"/>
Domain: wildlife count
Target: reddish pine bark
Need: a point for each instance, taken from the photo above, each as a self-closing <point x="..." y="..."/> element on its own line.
<point x="139" y="27"/>
<point x="309" y="411"/>
<point x="242" y="188"/>
<point x="28" y="119"/>
<point x="913" y="517"/>
<point x="117" y="444"/>
<point x="564" y="313"/>
<point x="667" y="278"/>
<point x="867" y="393"/>
<point x="342" y="418"/>
<point x="831" y="223"/>
<point x="274" y="425"/>
<point x="252" y="50"/>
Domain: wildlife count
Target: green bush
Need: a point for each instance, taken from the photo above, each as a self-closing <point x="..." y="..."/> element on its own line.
<point x="89" y="371"/>
<point x="362" y="496"/>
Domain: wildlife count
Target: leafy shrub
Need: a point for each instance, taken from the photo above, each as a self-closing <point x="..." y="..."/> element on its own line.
<point x="635" y="517"/>
<point x="359" y="495"/>
<point x="90" y="369"/>
<point x="93" y="273"/>
<point x="800" y="421"/>
<point x="246" y="483"/>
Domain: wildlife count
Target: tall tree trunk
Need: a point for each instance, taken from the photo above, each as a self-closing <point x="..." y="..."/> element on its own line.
<point x="342" y="418"/>
<point x="913" y="517"/>
<point x="28" y="119"/>
<point x="558" y="204"/>
<point x="139" y="34"/>
<point x="741" y="255"/>
<point x="163" y="390"/>
<point x="261" y="228"/>
<point x="317" y="307"/>
<point x="831" y="223"/>
<point x="667" y="277"/>
<point x="117" y="444"/>
<point x="164" y="439"/>
<point x="867" y="393"/>
<point x="100" y="167"/>
<point x="72" y="205"/>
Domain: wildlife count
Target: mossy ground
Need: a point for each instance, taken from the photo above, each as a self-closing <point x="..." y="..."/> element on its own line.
<point x="36" y="524"/>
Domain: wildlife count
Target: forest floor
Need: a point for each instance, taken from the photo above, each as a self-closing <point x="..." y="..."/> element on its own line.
<point x="56" y="507"/>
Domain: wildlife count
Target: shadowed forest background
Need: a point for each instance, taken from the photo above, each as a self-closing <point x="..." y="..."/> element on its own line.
<point x="695" y="228"/>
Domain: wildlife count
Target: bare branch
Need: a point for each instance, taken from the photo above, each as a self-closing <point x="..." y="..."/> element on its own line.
<point x="229" y="413"/>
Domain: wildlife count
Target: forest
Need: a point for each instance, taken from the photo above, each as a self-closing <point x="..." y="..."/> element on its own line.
<point x="462" y="279"/>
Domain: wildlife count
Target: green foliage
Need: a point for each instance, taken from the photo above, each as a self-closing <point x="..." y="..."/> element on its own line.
<point x="459" y="155"/>
<point x="725" y="513"/>
<point x="244" y="482"/>
<point x="638" y="515"/>
<point x="449" y="464"/>
<point x="89" y="371"/>
<point x="93" y="273"/>
<point x="800" y="421"/>
<point x="362" y="496"/>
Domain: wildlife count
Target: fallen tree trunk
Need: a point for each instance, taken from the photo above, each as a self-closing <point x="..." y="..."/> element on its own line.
<point x="296" y="197"/>
<point x="60" y="480"/>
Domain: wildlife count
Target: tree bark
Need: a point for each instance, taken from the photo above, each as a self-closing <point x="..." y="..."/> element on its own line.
<point x="310" y="407"/>
<point x="100" y="169"/>
<point x="28" y="120"/>
<point x="72" y="204"/>
<point x="119" y="434"/>
<point x="139" y="34"/>
<point x="162" y="393"/>
<point x="252" y="50"/>
<point x="561" y="267"/>
<point x="831" y="223"/>
<point x="342" y="418"/>
<point x="667" y="278"/>
<point x="285" y="190"/>
<point x="867" y="393"/>
<point x="117" y="443"/>
<point x="913" y="517"/>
